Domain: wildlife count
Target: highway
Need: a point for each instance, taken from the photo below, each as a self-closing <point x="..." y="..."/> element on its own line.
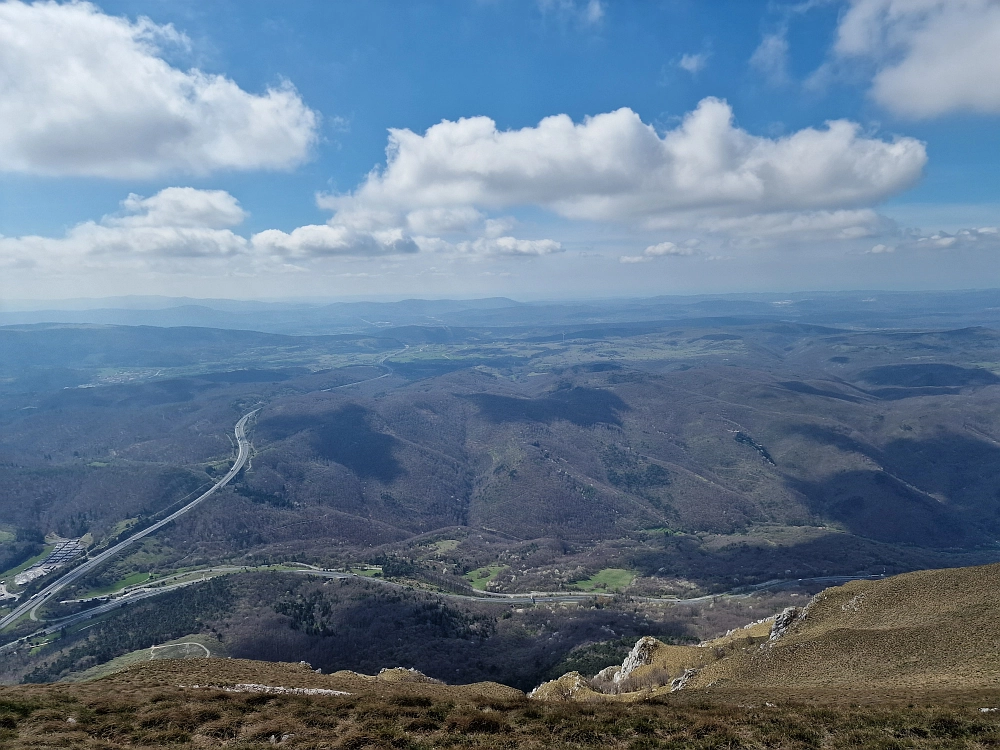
<point x="43" y="596"/>
<point x="66" y="622"/>
<point x="32" y="605"/>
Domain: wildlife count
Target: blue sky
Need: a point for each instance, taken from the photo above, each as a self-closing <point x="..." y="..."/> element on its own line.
<point x="694" y="155"/>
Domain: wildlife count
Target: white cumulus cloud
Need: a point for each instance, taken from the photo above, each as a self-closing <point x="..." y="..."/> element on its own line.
<point x="614" y="167"/>
<point x="320" y="240"/>
<point x="667" y="248"/>
<point x="511" y="246"/>
<point x="176" y="224"/>
<point x="181" y="207"/>
<point x="86" y="93"/>
<point x="180" y="225"/>
<point x="879" y="249"/>
<point x="930" y="57"/>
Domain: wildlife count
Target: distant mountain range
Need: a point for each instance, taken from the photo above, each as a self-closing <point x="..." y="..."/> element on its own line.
<point x="865" y="309"/>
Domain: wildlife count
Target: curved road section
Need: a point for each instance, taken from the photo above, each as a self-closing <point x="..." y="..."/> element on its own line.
<point x="78" y="572"/>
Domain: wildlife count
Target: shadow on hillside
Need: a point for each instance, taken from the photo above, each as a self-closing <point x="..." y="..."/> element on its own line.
<point x="898" y="394"/>
<point x="584" y="407"/>
<point x="963" y="469"/>
<point x="365" y="628"/>
<point x="832" y="554"/>
<point x="927" y="375"/>
<point x="809" y="390"/>
<point x="875" y="505"/>
<point x="343" y="436"/>
<point x="883" y="505"/>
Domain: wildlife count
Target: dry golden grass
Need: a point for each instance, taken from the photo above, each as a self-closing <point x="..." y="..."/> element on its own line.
<point x="208" y="673"/>
<point x="757" y="630"/>
<point x="144" y="707"/>
<point x="930" y="630"/>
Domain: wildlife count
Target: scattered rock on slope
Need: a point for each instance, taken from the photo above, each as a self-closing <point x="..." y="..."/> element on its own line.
<point x="572" y="686"/>
<point x="783" y="621"/>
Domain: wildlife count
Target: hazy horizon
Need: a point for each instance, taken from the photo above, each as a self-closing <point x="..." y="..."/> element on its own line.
<point x="137" y="300"/>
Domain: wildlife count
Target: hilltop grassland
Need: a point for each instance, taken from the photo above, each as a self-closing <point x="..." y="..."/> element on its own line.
<point x="208" y="703"/>
<point x="929" y="630"/>
<point x="928" y="633"/>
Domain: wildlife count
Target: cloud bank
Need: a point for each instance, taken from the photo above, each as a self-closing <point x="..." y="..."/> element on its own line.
<point x="661" y="250"/>
<point x="171" y="229"/>
<point x="83" y="93"/>
<point x="614" y="167"/>
<point x="184" y="230"/>
<point x="450" y="192"/>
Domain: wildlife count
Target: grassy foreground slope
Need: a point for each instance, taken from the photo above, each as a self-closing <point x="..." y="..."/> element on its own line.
<point x="929" y="630"/>
<point x="918" y="636"/>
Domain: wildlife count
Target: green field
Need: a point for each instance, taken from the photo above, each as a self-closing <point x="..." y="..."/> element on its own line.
<point x="121" y="527"/>
<point x="481" y="577"/>
<point x="444" y="545"/>
<point x="609" y="579"/>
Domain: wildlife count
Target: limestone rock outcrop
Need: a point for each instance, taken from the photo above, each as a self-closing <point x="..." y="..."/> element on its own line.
<point x="641" y="655"/>
<point x="782" y="622"/>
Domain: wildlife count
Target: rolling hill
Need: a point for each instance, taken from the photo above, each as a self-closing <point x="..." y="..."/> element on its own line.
<point x="642" y="458"/>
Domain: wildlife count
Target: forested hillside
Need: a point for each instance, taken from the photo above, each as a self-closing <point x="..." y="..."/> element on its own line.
<point x="657" y="459"/>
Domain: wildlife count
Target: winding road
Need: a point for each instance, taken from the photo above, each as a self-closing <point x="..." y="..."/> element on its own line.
<point x="380" y="362"/>
<point x="139" y="593"/>
<point x="31" y="605"/>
